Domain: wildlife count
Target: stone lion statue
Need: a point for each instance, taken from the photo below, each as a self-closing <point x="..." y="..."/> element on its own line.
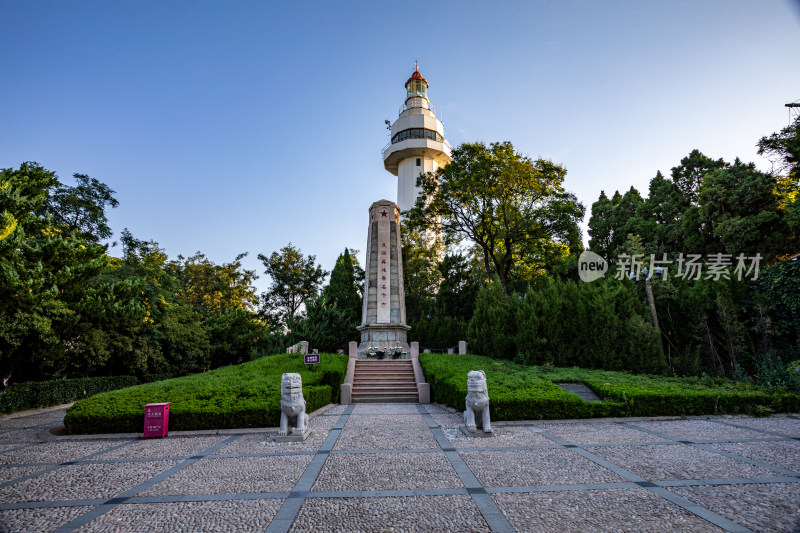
<point x="293" y="406"/>
<point x="477" y="402"/>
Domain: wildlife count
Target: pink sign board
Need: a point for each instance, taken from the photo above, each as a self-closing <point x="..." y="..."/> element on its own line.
<point x="311" y="359"/>
<point x="156" y="420"/>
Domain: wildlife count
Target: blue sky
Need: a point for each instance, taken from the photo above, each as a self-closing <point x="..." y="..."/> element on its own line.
<point x="245" y="125"/>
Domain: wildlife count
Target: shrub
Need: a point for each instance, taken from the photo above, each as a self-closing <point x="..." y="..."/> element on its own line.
<point x="246" y="395"/>
<point x="492" y="329"/>
<point x="599" y="325"/>
<point x="37" y="394"/>
<point x="529" y="393"/>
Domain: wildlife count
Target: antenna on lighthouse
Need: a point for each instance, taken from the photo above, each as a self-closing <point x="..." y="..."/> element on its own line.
<point x="794" y="109"/>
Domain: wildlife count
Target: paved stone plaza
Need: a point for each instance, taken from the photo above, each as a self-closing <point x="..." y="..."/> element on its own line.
<point x="407" y="467"/>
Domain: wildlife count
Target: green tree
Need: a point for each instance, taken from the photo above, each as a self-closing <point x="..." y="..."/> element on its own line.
<point x="459" y="288"/>
<point x="326" y="327"/>
<point x="625" y="218"/>
<point x="295" y="279"/>
<point x="601" y="227"/>
<point x="210" y="288"/>
<point x="492" y="329"/>
<point x="688" y="176"/>
<point x="740" y="205"/>
<point x="421" y="277"/>
<point x="342" y="290"/>
<point x="783" y="148"/>
<point x="44" y="269"/>
<point x="660" y="217"/>
<point x="82" y="208"/>
<point x="506" y="204"/>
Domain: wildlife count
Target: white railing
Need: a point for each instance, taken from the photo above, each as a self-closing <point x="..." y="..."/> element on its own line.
<point x="389" y="144"/>
<point x="429" y="105"/>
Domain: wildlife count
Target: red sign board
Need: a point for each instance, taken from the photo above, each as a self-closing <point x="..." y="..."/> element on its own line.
<point x="311" y="359"/>
<point x="156" y="420"/>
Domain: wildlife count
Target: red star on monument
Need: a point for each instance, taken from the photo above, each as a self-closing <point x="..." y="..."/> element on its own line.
<point x="383" y="213"/>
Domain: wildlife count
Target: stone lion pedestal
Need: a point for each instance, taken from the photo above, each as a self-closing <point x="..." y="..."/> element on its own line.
<point x="477" y="422"/>
<point x="294" y="420"/>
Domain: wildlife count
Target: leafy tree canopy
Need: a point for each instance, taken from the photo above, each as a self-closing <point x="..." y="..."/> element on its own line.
<point x="511" y="207"/>
<point x="295" y="279"/>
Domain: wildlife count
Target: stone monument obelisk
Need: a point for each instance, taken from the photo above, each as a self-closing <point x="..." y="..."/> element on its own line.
<point x="383" y="324"/>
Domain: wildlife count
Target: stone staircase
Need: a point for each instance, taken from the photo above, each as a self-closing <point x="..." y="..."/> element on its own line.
<point x="384" y="382"/>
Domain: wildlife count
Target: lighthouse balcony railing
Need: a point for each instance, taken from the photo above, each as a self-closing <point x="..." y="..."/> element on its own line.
<point x="422" y="103"/>
<point x="389" y="144"/>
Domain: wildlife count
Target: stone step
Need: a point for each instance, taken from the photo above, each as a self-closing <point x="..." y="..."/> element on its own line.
<point x="385" y="399"/>
<point x="383" y="364"/>
<point x="391" y="375"/>
<point x="384" y="381"/>
<point x="387" y="381"/>
<point x="387" y="372"/>
<point x="390" y="388"/>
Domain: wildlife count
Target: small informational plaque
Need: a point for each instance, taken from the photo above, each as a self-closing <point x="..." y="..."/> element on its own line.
<point x="311" y="359"/>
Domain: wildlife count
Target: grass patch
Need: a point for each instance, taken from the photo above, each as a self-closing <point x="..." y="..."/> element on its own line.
<point x="529" y="392"/>
<point x="240" y="396"/>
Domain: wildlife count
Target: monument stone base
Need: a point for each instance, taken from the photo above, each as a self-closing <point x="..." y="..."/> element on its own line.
<point x="477" y="433"/>
<point x="295" y="438"/>
<point x="388" y="338"/>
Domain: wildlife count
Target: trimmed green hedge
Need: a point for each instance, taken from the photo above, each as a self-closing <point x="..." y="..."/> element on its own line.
<point x="240" y="396"/>
<point x="529" y="393"/>
<point x="37" y="394"/>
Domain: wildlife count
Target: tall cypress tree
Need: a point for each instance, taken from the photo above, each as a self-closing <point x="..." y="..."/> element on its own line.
<point x="342" y="291"/>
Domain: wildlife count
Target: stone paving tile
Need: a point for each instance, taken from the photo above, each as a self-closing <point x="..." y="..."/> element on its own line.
<point x="266" y="443"/>
<point x="628" y="510"/>
<point x="386" y="439"/>
<point x="231" y="475"/>
<point x="780" y="424"/>
<point x="325" y="423"/>
<point x="445" y="419"/>
<point x="168" y="447"/>
<point x="22" y="422"/>
<point x="504" y="437"/>
<point x="660" y="463"/>
<point x="525" y="468"/>
<point x="698" y="430"/>
<point x="39" y="520"/>
<point x="56" y="452"/>
<point x="434" y="408"/>
<point x="387" y="471"/>
<point x="13" y="472"/>
<point x="9" y="446"/>
<point x="217" y="516"/>
<point x="456" y="513"/>
<point x="83" y="481"/>
<point x="785" y="453"/>
<point x="385" y="409"/>
<point x="335" y="411"/>
<point x="20" y="435"/>
<point x="385" y="421"/>
<point x="760" y="507"/>
<point x="597" y="433"/>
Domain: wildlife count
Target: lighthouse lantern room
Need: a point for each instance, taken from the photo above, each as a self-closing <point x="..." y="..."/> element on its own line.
<point x="417" y="142"/>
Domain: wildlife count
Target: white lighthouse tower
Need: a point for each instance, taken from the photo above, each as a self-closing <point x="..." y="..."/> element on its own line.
<point x="417" y="144"/>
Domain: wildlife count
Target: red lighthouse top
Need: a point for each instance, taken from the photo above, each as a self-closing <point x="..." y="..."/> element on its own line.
<point x="416" y="75"/>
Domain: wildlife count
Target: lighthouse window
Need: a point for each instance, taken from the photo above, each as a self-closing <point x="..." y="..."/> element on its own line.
<point x="419" y="161"/>
<point x="419" y="180"/>
<point x="417" y="133"/>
